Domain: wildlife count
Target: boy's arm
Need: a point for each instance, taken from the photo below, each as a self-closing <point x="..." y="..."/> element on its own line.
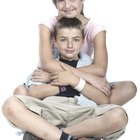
<point x="89" y="91"/>
<point x="43" y="91"/>
<point x="38" y="85"/>
<point x="67" y="77"/>
<point x="94" y="94"/>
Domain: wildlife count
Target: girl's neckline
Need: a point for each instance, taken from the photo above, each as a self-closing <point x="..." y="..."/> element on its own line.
<point x="83" y="19"/>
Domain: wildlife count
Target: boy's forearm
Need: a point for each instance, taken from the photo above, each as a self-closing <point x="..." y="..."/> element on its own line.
<point x="88" y="77"/>
<point x="94" y="94"/>
<point x="43" y="91"/>
<point x="88" y="90"/>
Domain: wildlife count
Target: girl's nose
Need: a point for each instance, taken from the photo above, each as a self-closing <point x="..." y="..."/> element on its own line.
<point x="67" y="3"/>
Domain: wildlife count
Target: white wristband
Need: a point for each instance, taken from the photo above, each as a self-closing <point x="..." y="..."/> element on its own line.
<point x="80" y="85"/>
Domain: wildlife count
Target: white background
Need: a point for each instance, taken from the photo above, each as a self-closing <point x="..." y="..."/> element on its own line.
<point x="19" y="21"/>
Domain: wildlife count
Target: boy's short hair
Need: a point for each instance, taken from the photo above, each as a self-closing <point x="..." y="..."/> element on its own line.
<point x="68" y="23"/>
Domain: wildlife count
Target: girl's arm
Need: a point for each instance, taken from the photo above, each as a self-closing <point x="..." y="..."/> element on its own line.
<point x="99" y="66"/>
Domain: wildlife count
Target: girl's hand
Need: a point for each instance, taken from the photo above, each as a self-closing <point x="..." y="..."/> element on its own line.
<point x="64" y="78"/>
<point x="39" y="75"/>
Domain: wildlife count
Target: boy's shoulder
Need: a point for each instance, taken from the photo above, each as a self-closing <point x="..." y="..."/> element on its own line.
<point x="84" y="60"/>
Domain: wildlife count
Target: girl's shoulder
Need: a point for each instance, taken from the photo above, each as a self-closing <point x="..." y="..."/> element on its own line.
<point x="93" y="27"/>
<point x="49" y="22"/>
<point x="93" y="22"/>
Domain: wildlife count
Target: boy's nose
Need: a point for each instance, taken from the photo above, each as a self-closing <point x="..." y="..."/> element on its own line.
<point x="70" y="44"/>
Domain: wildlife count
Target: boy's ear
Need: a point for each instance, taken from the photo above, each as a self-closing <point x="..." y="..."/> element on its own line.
<point x="54" y="42"/>
<point x="83" y="41"/>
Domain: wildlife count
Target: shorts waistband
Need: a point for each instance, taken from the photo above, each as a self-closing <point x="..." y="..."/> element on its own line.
<point x="61" y="99"/>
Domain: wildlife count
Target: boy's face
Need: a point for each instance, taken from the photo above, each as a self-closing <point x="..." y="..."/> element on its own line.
<point x="69" y="42"/>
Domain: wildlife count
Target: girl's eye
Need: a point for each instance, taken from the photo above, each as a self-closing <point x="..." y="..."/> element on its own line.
<point x="59" y="0"/>
<point x="63" y="0"/>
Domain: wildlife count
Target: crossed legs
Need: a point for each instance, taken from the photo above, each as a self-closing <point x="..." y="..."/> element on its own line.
<point x="122" y="92"/>
<point x="17" y="113"/>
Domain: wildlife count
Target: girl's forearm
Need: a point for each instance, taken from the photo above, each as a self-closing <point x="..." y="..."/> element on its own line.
<point x="54" y="66"/>
<point x="94" y="70"/>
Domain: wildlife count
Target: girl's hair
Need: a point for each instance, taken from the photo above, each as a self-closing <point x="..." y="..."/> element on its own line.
<point x="68" y="23"/>
<point x="54" y="2"/>
<point x="82" y="11"/>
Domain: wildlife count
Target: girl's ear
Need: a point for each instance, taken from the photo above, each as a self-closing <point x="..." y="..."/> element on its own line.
<point x="83" y="1"/>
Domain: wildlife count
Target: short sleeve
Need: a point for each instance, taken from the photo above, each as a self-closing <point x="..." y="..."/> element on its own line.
<point x="49" y="22"/>
<point x="93" y="28"/>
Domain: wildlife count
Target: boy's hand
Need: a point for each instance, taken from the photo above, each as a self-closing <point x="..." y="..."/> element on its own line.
<point x="101" y="83"/>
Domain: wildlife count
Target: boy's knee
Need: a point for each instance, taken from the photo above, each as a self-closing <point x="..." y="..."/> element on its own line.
<point x="120" y="118"/>
<point x="9" y="106"/>
<point x="20" y="90"/>
<point x="132" y="88"/>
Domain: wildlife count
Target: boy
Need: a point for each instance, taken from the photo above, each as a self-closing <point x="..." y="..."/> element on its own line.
<point x="60" y="108"/>
<point x="71" y="57"/>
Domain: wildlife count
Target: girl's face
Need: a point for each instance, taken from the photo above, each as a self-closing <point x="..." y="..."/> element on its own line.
<point x="69" y="8"/>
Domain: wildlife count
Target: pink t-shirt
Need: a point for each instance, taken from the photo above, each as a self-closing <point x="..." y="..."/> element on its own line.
<point x="91" y="29"/>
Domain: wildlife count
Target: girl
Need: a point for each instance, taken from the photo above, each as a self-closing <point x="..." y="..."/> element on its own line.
<point x="95" y="46"/>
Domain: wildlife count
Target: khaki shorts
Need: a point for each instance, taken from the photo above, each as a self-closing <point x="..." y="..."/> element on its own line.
<point x="63" y="112"/>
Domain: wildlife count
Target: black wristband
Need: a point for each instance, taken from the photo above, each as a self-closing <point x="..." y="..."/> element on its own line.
<point x="62" y="89"/>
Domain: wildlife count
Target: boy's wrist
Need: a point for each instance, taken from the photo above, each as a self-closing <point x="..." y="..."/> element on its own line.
<point x="74" y="81"/>
<point x="79" y="87"/>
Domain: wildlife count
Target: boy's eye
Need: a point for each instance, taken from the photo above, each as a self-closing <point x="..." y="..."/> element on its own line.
<point x="63" y="40"/>
<point x="76" y="39"/>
